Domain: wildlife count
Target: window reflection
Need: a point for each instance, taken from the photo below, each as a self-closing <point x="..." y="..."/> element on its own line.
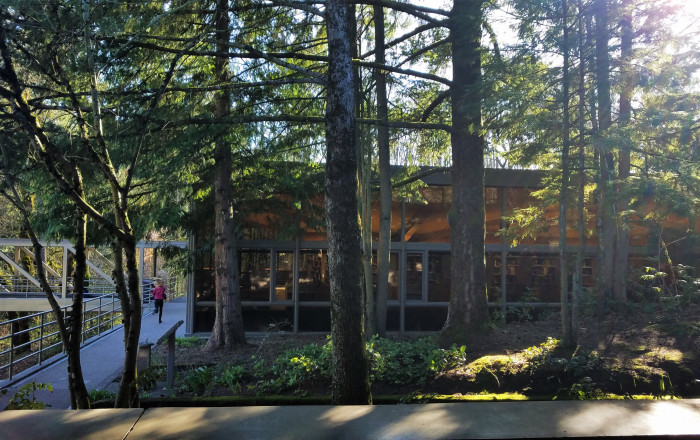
<point x="314" y="281"/>
<point x="414" y="276"/>
<point x="255" y="275"/>
<point x="393" y="293"/>
<point x="439" y="276"/>
<point x="284" y="276"/>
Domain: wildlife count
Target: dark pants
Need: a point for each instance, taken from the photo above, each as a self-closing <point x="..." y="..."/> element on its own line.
<point x="159" y="309"/>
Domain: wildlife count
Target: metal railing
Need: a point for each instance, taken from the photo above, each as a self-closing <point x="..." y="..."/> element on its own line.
<point x="174" y="288"/>
<point x="30" y="340"/>
<point x="23" y="288"/>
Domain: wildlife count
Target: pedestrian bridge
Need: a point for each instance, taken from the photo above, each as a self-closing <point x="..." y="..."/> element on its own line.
<point x="20" y="291"/>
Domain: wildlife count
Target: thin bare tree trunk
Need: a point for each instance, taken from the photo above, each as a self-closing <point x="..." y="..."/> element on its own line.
<point x="577" y="291"/>
<point x="76" y="384"/>
<point x="606" y="209"/>
<point x="567" y="334"/>
<point x="364" y="190"/>
<point x="383" y="254"/>
<point x="623" y="233"/>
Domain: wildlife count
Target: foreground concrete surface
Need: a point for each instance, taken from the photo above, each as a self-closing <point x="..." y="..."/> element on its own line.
<point x="487" y="420"/>
<point x="102" y="360"/>
<point x="97" y="424"/>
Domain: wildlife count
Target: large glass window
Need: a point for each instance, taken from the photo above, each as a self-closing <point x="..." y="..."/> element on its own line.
<point x="255" y="275"/>
<point x="543" y="271"/>
<point x="414" y="276"/>
<point x="262" y="318"/>
<point x="284" y="276"/>
<point x="419" y="319"/>
<point x="393" y="274"/>
<point x="204" y="287"/>
<point x="439" y="264"/>
<point x="427" y="223"/>
<point x="314" y="281"/>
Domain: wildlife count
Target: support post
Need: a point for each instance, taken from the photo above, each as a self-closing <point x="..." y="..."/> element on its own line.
<point x="170" y="337"/>
<point x="297" y="268"/>
<point x="141" y="264"/>
<point x="402" y="269"/>
<point x="64" y="273"/>
<point x="504" y="259"/>
<point x="171" y="361"/>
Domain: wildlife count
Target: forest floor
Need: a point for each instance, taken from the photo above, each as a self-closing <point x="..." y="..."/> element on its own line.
<point x="651" y="351"/>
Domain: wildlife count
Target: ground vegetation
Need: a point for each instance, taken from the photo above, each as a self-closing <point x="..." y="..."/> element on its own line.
<point x="650" y="352"/>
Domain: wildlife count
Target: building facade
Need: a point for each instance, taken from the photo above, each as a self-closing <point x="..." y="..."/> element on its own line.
<point x="284" y="276"/>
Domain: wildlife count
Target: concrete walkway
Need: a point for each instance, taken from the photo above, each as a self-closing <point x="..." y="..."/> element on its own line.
<point x="486" y="420"/>
<point x="102" y="360"/>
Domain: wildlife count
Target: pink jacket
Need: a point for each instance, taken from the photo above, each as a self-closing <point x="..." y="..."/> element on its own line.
<point x="159" y="293"/>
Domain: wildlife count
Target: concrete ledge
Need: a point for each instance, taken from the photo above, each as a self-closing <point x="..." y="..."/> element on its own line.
<point x="487" y="420"/>
<point x="97" y="424"/>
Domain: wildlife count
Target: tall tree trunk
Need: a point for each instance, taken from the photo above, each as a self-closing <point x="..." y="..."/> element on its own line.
<point x="606" y="206"/>
<point x="364" y="190"/>
<point x="383" y="249"/>
<point x="127" y="286"/>
<point x="349" y="365"/>
<point x="577" y="291"/>
<point x="132" y="332"/>
<point x="468" y="309"/>
<point x="76" y="384"/>
<point x="228" y="323"/>
<point x="567" y="332"/>
<point x="622" y="249"/>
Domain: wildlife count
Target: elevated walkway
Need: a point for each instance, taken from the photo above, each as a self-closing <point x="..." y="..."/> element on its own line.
<point x="102" y="361"/>
<point x="485" y="420"/>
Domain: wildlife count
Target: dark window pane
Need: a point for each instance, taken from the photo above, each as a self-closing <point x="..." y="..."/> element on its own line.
<point x="284" y="276"/>
<point x="255" y="275"/>
<point x="414" y="276"/>
<point x="393" y="274"/>
<point x="314" y="281"/>
<point x="439" y="276"/>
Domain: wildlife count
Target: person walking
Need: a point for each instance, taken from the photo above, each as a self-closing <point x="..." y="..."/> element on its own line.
<point x="159" y="296"/>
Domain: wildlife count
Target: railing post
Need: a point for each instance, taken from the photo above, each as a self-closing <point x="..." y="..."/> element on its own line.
<point x="12" y="348"/>
<point x="99" y="317"/>
<point x="171" y="360"/>
<point x="41" y="339"/>
<point x="82" y="324"/>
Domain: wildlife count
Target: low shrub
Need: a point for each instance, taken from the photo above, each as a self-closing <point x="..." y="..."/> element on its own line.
<point x="25" y="398"/>
<point x="404" y="362"/>
<point x="293" y="367"/>
<point x="189" y="342"/>
<point x="231" y="377"/>
<point x="96" y="395"/>
<point x="197" y="380"/>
